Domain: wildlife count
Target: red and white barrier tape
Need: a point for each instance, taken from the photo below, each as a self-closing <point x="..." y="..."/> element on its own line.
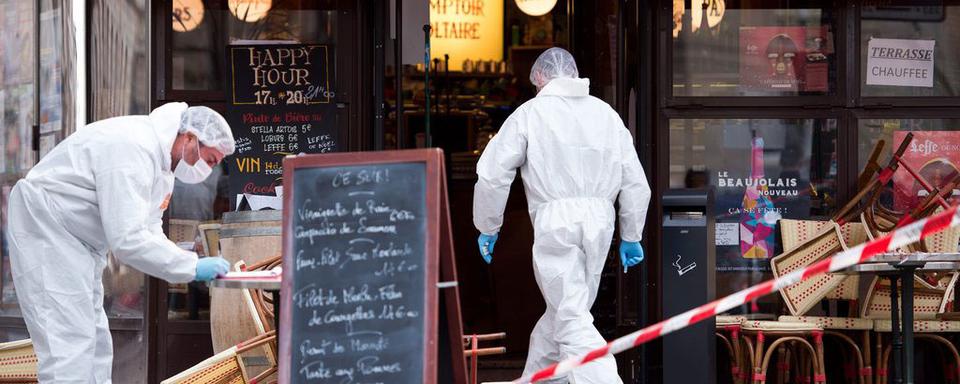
<point x="892" y="241"/>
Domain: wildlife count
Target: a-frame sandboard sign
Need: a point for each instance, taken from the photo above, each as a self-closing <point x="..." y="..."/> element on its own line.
<point x="369" y="281"/>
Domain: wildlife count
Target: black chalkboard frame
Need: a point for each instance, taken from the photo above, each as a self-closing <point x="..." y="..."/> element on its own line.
<point x="439" y="258"/>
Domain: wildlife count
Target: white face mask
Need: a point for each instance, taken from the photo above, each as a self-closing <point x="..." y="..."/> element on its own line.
<point x="192" y="174"/>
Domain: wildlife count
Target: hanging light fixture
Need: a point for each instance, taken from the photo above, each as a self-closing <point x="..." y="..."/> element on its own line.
<point x="250" y="10"/>
<point x="536" y="7"/>
<point x="187" y="14"/>
<point x="715" y="11"/>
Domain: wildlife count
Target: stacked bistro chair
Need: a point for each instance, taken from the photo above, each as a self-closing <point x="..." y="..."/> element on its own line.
<point x="728" y="331"/>
<point x="929" y="302"/>
<point x="18" y="362"/>
<point x="933" y="292"/>
<point x="232" y="365"/>
<point x="261" y="307"/>
<point x="181" y="232"/>
<point x="826" y="238"/>
<point x="472" y="350"/>
<point x="798" y="339"/>
<point x="226" y="367"/>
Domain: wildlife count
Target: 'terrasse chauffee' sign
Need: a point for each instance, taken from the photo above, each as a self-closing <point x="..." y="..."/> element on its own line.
<point x="466" y="29"/>
<point x="899" y="62"/>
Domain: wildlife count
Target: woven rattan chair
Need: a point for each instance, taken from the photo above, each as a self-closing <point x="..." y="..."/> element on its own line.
<point x="764" y="338"/>
<point x="472" y="350"/>
<point x="930" y="300"/>
<point x="845" y="330"/>
<point x="261" y="311"/>
<point x="18" y="362"/>
<point x="181" y="231"/>
<point x="210" y="237"/>
<point x="226" y="367"/>
<point x="808" y="242"/>
<point x="728" y="331"/>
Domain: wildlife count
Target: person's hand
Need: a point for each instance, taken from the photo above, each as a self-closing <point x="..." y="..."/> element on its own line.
<point x="208" y="268"/>
<point x="486" y="243"/>
<point x="631" y="253"/>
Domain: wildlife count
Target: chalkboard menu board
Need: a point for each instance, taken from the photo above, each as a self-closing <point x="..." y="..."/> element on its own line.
<point x="361" y="267"/>
<point x="280" y="103"/>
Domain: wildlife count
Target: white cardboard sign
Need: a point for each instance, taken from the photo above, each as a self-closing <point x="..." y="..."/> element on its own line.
<point x="727" y="233"/>
<point x="899" y="62"/>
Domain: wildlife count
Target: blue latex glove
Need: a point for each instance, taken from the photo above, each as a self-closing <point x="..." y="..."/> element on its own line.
<point x="631" y="253"/>
<point x="486" y="243"/>
<point x="208" y="268"/>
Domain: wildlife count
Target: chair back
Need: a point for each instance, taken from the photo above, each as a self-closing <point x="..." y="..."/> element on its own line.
<point x="225" y="367"/>
<point x="805" y="294"/>
<point x="927" y="301"/>
<point x="796" y="232"/>
<point x="18" y="362"/>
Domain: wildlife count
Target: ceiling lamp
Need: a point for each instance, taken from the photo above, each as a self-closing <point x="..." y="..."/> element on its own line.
<point x="250" y="10"/>
<point x="187" y="14"/>
<point x="536" y="7"/>
<point x="715" y="11"/>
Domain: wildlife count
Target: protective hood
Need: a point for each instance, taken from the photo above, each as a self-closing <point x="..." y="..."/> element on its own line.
<point x="166" y="123"/>
<point x="564" y="86"/>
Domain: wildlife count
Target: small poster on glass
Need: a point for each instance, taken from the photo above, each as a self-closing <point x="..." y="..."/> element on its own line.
<point x="935" y="155"/>
<point x="785" y="59"/>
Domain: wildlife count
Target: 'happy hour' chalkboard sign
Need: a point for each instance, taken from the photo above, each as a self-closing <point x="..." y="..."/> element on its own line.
<point x="280" y="103"/>
<point x="361" y="243"/>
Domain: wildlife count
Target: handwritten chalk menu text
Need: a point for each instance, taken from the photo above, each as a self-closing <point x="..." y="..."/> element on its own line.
<point x="281" y="103"/>
<point x="358" y="245"/>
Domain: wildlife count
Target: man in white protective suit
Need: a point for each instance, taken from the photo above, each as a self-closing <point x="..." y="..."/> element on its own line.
<point x="575" y="158"/>
<point x="105" y="187"/>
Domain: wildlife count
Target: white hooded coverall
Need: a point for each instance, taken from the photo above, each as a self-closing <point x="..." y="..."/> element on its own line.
<point x="104" y="187"/>
<point x="575" y="157"/>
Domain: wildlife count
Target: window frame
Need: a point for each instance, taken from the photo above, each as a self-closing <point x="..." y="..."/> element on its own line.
<point x="667" y="99"/>
<point x="886" y="102"/>
<point x="844" y="177"/>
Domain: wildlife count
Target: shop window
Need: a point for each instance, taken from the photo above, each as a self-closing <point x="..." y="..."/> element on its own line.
<point x="908" y="49"/>
<point x="752" y="48"/>
<point x="201" y="29"/>
<point x="934" y="153"/>
<point x="18" y="108"/>
<point x="761" y="170"/>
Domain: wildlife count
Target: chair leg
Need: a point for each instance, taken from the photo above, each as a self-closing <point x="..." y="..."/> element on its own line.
<point x="886" y="363"/>
<point x="804" y="369"/>
<point x="867" y="371"/>
<point x="820" y="376"/>
<point x="786" y="361"/>
<point x="857" y="354"/>
<point x="749" y="361"/>
<point x="801" y="364"/>
<point x="758" y="374"/>
<point x="733" y="357"/>
<point x="760" y="378"/>
<point x="881" y="363"/>
<point x="950" y="347"/>
<point x="781" y="363"/>
<point x="738" y="366"/>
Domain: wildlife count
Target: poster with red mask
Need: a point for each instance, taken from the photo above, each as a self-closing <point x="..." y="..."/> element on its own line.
<point x="785" y="59"/>
<point x="934" y="155"/>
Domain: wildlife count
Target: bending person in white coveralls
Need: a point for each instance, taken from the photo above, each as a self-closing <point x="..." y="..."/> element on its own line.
<point x="575" y="157"/>
<point x="104" y="188"/>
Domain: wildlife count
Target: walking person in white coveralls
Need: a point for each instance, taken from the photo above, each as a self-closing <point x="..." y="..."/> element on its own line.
<point x="575" y="158"/>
